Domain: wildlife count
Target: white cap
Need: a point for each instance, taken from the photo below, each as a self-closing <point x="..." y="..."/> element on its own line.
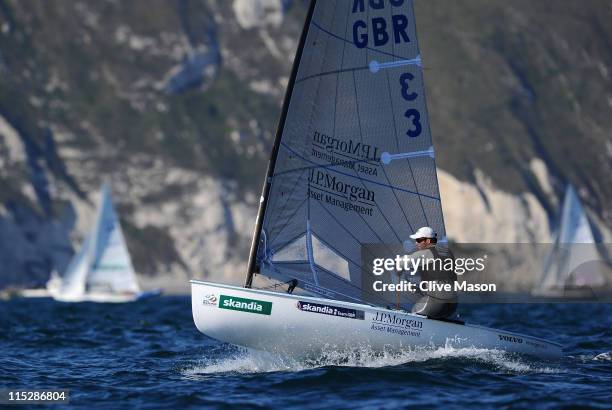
<point x="424" y="232"/>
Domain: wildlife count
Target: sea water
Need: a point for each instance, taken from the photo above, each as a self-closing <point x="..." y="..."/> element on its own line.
<point x="149" y="354"/>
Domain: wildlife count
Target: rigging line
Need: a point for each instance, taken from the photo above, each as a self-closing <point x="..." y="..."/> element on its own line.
<point x="361" y="136"/>
<point x="353" y="177"/>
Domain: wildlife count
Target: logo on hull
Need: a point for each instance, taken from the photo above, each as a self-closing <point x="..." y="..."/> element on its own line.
<point x="331" y="310"/>
<point x="396" y="324"/>
<point x="512" y="339"/>
<point x="245" y="305"/>
<point x="209" y="299"/>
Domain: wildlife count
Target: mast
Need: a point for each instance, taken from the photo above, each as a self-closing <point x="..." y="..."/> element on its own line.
<point x="252" y="266"/>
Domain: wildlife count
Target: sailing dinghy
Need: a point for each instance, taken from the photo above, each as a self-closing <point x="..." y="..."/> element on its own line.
<point x="352" y="164"/>
<point x="571" y="269"/>
<point x="102" y="270"/>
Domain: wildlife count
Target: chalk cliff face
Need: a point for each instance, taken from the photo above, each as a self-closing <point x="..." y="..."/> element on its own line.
<point x="483" y="213"/>
<point x="176" y="103"/>
<point x="259" y="13"/>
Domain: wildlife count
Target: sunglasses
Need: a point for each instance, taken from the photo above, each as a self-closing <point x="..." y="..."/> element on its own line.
<point x="420" y="240"/>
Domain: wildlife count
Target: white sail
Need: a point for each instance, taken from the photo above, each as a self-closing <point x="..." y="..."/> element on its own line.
<point x="111" y="268"/>
<point x="72" y="284"/>
<point x="574" y="247"/>
<point x="102" y="269"/>
<point x="354" y="162"/>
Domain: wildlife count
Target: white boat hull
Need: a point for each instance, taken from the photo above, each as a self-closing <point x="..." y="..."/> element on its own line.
<point x="102" y="297"/>
<point x="34" y="293"/>
<point x="300" y="326"/>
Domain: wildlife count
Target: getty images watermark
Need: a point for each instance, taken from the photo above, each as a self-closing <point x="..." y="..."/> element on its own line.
<point x="441" y="271"/>
<point x="488" y="273"/>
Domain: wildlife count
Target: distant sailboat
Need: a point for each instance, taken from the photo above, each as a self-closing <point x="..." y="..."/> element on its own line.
<point x="102" y="270"/>
<point x="572" y="268"/>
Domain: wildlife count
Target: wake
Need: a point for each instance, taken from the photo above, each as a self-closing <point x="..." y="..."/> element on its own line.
<point x="603" y="357"/>
<point x="246" y="361"/>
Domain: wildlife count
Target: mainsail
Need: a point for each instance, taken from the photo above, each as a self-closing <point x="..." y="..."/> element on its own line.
<point x="353" y="162"/>
<point x="103" y="263"/>
<point x="574" y="247"/>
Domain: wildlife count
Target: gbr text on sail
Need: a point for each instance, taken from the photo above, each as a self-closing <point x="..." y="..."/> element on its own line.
<point x="378" y="31"/>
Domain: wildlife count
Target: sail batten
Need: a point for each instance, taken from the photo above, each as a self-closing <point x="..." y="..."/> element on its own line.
<point x="354" y="163"/>
<point x="330" y="167"/>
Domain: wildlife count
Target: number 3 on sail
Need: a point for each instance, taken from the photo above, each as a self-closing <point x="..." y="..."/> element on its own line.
<point x="412" y="114"/>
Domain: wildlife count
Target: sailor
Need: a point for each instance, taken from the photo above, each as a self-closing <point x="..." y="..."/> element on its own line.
<point x="436" y="304"/>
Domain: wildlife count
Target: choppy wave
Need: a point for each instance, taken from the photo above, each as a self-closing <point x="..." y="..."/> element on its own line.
<point x="245" y="361"/>
<point x="603" y="357"/>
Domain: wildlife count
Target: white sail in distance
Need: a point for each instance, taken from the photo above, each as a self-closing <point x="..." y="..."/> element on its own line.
<point x="570" y="262"/>
<point x="111" y="267"/>
<point x="103" y="264"/>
